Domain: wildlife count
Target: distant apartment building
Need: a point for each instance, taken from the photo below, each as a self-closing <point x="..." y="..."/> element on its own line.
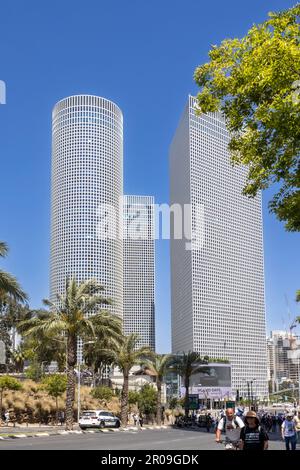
<point x="283" y="358"/>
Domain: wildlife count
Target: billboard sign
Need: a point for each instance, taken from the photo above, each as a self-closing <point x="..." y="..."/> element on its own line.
<point x="213" y="381"/>
<point x="193" y="402"/>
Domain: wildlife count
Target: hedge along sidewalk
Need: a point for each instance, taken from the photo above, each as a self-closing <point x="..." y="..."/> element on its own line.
<point x="20" y="435"/>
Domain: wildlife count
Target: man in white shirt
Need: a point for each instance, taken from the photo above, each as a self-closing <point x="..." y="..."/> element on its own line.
<point x="231" y="425"/>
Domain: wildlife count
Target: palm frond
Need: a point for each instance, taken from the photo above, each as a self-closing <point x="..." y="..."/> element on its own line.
<point x="158" y="364"/>
<point x="9" y="285"/>
<point x="3" y="249"/>
<point x="50" y="304"/>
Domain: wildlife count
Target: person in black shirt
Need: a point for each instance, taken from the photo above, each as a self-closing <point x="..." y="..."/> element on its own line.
<point x="253" y="437"/>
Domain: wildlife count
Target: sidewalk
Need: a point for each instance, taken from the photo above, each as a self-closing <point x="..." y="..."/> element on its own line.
<point x="22" y="431"/>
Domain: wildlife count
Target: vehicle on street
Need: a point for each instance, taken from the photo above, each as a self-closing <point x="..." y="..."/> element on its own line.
<point x="98" y="419"/>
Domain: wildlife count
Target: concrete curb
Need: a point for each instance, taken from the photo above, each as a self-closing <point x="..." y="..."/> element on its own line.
<point x="90" y="431"/>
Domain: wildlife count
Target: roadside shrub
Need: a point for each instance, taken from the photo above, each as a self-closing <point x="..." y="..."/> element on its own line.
<point x="102" y="393"/>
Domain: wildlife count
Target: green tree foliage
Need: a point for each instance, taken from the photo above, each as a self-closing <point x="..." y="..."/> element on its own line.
<point x="147" y="400"/>
<point x="67" y="320"/>
<point x="126" y="355"/>
<point x="254" y="82"/>
<point x="9" y="285"/>
<point x="173" y="403"/>
<point x="7" y="383"/>
<point x="19" y="356"/>
<point x="44" y="347"/>
<point x="12" y="312"/>
<point x="133" y="397"/>
<point x="158" y="366"/>
<point x="99" y="355"/>
<point x="55" y="385"/>
<point x="34" y="371"/>
<point x="187" y="364"/>
<point x="102" y="393"/>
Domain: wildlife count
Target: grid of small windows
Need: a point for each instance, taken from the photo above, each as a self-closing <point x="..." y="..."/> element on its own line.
<point x="181" y="279"/>
<point x="139" y="268"/>
<point x="227" y="273"/>
<point x="87" y="171"/>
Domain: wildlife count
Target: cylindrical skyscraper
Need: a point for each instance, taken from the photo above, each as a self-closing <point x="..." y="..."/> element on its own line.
<point x="87" y="178"/>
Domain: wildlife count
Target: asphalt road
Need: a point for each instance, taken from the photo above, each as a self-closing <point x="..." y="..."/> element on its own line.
<point x="171" y="439"/>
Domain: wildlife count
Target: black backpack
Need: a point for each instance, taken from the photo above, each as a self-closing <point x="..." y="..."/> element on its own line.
<point x="234" y="420"/>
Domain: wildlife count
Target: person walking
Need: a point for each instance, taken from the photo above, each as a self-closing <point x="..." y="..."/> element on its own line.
<point x="253" y="436"/>
<point x="297" y="422"/>
<point x="274" y="423"/>
<point x="289" y="432"/>
<point x="208" y="422"/>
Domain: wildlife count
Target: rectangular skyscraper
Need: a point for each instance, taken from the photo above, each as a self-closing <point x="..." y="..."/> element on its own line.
<point x="217" y="287"/>
<point x="139" y="270"/>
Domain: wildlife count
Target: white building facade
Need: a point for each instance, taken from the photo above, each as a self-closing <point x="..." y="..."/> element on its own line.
<point x="139" y="268"/>
<point x="87" y="177"/>
<point x="217" y="287"/>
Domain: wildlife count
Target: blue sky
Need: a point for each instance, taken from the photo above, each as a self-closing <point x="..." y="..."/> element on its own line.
<point x="142" y="55"/>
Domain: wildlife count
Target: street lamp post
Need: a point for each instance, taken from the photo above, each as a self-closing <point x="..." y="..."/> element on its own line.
<point x="79" y="383"/>
<point x="248" y="390"/>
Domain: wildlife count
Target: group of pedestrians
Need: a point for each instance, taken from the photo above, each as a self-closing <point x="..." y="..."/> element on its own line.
<point x="288" y="425"/>
<point x="272" y="422"/>
<point x="249" y="432"/>
<point x="137" y="419"/>
<point x="242" y="434"/>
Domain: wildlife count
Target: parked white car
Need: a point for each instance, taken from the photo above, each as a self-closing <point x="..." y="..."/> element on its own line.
<point x="98" y="419"/>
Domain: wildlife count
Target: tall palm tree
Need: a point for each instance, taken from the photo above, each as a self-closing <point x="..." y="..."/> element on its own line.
<point x="187" y="364"/>
<point x="9" y="285"/>
<point x="158" y="367"/>
<point x="125" y="356"/>
<point x="71" y="318"/>
<point x="98" y="355"/>
<point x="19" y="357"/>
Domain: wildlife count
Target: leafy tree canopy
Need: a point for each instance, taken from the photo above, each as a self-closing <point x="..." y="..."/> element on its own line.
<point x="55" y="385"/>
<point x="9" y="383"/>
<point x="255" y="83"/>
<point x="147" y="399"/>
<point x="102" y="393"/>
